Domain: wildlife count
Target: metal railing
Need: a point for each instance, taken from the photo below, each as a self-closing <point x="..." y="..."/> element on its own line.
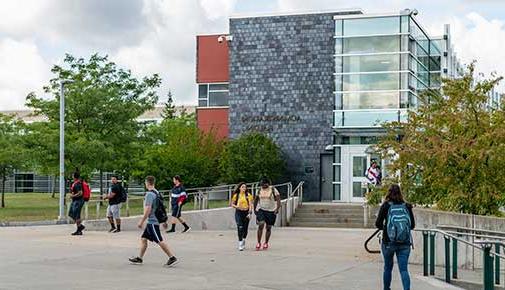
<point x="491" y="259"/>
<point x="200" y="197"/>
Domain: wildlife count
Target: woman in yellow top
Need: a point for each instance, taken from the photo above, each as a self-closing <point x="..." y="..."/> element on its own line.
<point x="242" y="201"/>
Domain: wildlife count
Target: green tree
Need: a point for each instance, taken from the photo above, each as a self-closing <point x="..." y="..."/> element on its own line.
<point x="451" y="151"/>
<point x="101" y="111"/>
<point x="178" y="147"/>
<point x="11" y="154"/>
<point x="250" y="157"/>
<point x="169" y="108"/>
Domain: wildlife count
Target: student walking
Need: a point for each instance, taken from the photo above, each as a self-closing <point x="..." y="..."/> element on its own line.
<point x="242" y="202"/>
<point x="116" y="196"/>
<point x="267" y="204"/>
<point x="153" y="204"/>
<point x="79" y="192"/>
<point x="179" y="198"/>
<point x="396" y="219"/>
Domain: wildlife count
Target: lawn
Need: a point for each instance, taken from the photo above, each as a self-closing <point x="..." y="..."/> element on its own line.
<point x="40" y="206"/>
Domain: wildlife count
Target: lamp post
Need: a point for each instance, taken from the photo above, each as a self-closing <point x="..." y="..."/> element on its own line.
<point x="61" y="216"/>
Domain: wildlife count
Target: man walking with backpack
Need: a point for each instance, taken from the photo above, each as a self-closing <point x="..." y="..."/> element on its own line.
<point x="396" y="219"/>
<point x="80" y="193"/>
<point x="116" y="196"/>
<point x="154" y="214"/>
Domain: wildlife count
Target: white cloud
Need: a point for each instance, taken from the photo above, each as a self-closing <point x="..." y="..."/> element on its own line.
<point x="22" y="70"/>
<point x="216" y="9"/>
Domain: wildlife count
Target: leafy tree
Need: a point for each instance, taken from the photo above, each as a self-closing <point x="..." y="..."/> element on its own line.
<point x="102" y="107"/>
<point x="251" y="156"/>
<point x="452" y="149"/>
<point x="11" y="154"/>
<point x="169" y="108"/>
<point x="178" y="147"/>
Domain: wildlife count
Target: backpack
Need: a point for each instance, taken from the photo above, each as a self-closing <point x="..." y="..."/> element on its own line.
<point x="124" y="195"/>
<point x="161" y="210"/>
<point x="86" y="191"/>
<point x="399" y="224"/>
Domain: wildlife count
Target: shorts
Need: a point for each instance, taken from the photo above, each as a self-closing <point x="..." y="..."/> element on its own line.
<point x="176" y="210"/>
<point x="152" y="233"/>
<point x="114" y="211"/>
<point x="75" y="209"/>
<point x="264" y="216"/>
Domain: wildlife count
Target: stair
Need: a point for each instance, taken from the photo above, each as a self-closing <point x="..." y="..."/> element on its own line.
<point x="329" y="215"/>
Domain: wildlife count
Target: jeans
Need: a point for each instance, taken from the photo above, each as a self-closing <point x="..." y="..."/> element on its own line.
<point x="402" y="255"/>
<point x="242" y="223"/>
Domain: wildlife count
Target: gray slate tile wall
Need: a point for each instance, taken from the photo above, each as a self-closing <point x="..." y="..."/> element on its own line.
<point x="282" y="83"/>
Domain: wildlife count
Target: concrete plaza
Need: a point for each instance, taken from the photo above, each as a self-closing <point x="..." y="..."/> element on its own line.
<point x="47" y="257"/>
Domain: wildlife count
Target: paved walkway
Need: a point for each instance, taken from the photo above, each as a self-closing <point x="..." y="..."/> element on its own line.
<point x="47" y="257"/>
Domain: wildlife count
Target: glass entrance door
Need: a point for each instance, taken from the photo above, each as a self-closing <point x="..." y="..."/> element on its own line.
<point x="359" y="164"/>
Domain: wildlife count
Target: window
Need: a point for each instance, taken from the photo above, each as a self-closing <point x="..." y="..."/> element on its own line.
<point x="366" y="26"/>
<point x="214" y="95"/>
<point x="371" y="44"/>
<point x="371" y="100"/>
<point x="371" y="63"/>
<point x="376" y="81"/>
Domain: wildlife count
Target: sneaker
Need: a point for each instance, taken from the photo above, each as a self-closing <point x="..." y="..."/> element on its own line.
<point x="265" y="246"/>
<point x="258" y="246"/>
<point x="135" y="260"/>
<point x="186" y="230"/>
<point x="172" y="262"/>
<point x="241" y="245"/>
<point x="112" y="230"/>
<point x="116" y="231"/>
<point x="77" y="233"/>
<point x="170" y="231"/>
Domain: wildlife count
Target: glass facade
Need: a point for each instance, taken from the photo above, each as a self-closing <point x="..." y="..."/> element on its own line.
<point x="382" y="64"/>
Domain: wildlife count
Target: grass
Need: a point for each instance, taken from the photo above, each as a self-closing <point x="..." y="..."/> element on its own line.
<point x="40" y="206"/>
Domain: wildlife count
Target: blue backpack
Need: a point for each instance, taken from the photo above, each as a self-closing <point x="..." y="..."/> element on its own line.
<point x="399" y="224"/>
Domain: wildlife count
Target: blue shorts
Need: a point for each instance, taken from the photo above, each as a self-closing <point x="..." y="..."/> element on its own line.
<point x="152" y="233"/>
<point x="176" y="210"/>
<point x="75" y="209"/>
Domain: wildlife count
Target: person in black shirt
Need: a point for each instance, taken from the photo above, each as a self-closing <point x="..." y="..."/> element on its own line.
<point x="179" y="196"/>
<point x="77" y="203"/>
<point x="114" y="209"/>
<point x="389" y="248"/>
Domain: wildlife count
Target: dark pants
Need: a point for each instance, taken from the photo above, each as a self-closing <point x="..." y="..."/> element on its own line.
<point x="242" y="223"/>
<point x="402" y="255"/>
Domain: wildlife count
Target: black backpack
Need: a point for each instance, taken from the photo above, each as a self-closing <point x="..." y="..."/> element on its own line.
<point x="124" y="194"/>
<point x="161" y="210"/>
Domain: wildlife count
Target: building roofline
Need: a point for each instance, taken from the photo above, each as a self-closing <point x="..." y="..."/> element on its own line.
<point x="356" y="11"/>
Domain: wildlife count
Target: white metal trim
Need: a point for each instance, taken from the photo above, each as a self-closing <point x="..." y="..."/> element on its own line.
<point x="371" y="35"/>
<point x="370" y="53"/>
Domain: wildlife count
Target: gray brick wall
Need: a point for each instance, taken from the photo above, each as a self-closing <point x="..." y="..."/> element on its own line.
<point x="282" y="68"/>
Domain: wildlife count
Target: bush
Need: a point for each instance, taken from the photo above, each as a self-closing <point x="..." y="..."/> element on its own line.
<point x="250" y="157"/>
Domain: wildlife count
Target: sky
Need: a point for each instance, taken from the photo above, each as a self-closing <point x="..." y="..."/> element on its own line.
<point x="159" y="36"/>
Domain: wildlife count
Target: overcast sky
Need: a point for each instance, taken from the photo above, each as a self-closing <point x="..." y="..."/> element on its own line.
<point x="158" y="36"/>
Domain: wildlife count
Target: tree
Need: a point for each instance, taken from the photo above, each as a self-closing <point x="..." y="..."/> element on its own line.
<point x="250" y="157"/>
<point x="102" y="107"/>
<point x="11" y="155"/>
<point x="451" y="150"/>
<point x="178" y="147"/>
<point x="169" y="108"/>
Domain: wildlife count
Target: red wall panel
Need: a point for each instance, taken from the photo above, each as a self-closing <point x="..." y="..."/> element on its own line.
<point x="213" y="119"/>
<point x="211" y="59"/>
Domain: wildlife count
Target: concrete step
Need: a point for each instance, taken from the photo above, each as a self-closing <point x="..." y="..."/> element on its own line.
<point x="326" y="220"/>
<point x="325" y="225"/>
<point x="329" y="215"/>
<point x="333" y="212"/>
<point x="332" y="206"/>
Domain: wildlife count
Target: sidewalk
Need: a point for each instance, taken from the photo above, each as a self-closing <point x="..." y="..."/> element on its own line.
<point x="49" y="258"/>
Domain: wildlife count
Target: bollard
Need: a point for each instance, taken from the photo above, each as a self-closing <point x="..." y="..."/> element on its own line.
<point x="97" y="210"/>
<point x="497" y="265"/>
<point x="488" y="269"/>
<point x="432" y="254"/>
<point x="127" y="207"/>
<point x="447" y="241"/>
<point x="425" y="253"/>
<point x="454" y="258"/>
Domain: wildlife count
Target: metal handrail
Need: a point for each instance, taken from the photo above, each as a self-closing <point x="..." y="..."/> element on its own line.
<point x="471" y="229"/>
<point x="369" y="239"/>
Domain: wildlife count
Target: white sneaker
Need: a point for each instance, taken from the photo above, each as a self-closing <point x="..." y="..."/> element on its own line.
<point x="241" y="245"/>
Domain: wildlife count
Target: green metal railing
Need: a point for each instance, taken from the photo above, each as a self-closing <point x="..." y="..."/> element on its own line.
<point x="491" y="259"/>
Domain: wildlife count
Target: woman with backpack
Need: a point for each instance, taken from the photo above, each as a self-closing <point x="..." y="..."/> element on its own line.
<point x="396" y="219"/>
<point x="267" y="204"/>
<point x="242" y="202"/>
